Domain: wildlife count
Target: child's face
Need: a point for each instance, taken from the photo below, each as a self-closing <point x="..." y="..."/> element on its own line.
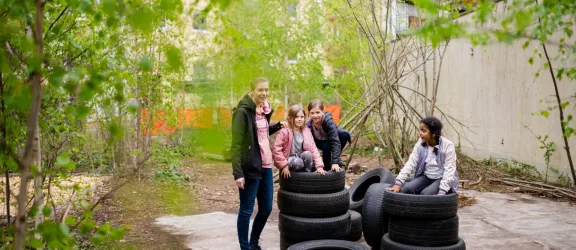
<point x="425" y="133"/>
<point x="316" y="115"/>
<point x="299" y="119"/>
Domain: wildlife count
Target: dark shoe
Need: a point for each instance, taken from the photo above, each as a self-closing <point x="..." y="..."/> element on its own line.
<point x="255" y="247"/>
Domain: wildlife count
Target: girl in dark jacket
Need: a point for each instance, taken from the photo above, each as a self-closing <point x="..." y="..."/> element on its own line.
<point x="327" y="136"/>
<point x="252" y="161"/>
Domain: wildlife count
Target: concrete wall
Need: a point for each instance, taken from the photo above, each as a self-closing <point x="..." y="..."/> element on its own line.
<point x="494" y="91"/>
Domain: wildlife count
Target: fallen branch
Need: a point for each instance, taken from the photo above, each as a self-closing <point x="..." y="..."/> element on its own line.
<point x="541" y="184"/>
<point x="554" y="191"/>
<point x="476" y="182"/>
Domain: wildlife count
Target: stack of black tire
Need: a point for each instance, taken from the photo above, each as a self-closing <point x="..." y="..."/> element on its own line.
<point x="417" y="221"/>
<point x="397" y="221"/>
<point x="358" y="192"/>
<point x="313" y="207"/>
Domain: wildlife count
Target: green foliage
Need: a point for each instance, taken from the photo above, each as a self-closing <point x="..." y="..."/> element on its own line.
<point x="99" y="64"/>
<point x="168" y="161"/>
<point x="263" y="38"/>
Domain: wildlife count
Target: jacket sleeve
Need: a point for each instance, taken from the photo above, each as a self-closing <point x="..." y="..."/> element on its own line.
<point x="278" y="150"/>
<point x="274" y="128"/>
<point x="332" y="132"/>
<point x="410" y="165"/>
<point x="449" y="169"/>
<point x="314" y="150"/>
<point x="239" y="126"/>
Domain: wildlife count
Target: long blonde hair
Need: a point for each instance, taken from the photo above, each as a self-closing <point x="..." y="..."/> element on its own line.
<point x="292" y="113"/>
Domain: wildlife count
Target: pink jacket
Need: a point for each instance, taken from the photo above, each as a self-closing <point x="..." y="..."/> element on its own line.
<point x="283" y="146"/>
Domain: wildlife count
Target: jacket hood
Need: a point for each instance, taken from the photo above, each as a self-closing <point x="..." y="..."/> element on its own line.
<point x="249" y="104"/>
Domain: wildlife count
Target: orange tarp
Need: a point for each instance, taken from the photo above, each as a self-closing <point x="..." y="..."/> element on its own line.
<point x="164" y="124"/>
<point x="167" y="122"/>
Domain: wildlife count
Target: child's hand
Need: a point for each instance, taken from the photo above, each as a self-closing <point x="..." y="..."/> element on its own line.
<point x="286" y="172"/>
<point x="336" y="168"/>
<point x="395" y="189"/>
<point x="283" y="124"/>
<point x="320" y="170"/>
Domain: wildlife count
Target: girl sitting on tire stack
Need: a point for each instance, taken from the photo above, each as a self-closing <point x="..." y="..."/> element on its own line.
<point x="434" y="158"/>
<point x="425" y="214"/>
<point x="313" y="205"/>
<point x="294" y="148"/>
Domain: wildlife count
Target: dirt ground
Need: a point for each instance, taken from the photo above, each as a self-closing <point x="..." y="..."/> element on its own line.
<point x="138" y="204"/>
<point x="211" y="189"/>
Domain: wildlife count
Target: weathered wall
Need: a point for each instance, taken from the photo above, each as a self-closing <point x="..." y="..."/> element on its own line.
<point x="494" y="91"/>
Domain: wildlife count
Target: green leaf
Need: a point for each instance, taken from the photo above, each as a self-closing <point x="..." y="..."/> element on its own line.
<point x="143" y="19"/>
<point x="174" y="57"/>
<point x="70" y="220"/>
<point x="46" y="211"/>
<point x="559" y="74"/>
<point x="526" y="44"/>
<point x="63" y="161"/>
<point x="104" y="229"/>
<point x="82" y="111"/>
<point x="88" y="214"/>
<point x="117" y="233"/>
<point x="109" y="7"/>
<point x="33" y="211"/>
<point x="97" y="239"/>
<point x="146" y="63"/>
<point x="36" y="244"/>
<point x="569" y="118"/>
<point x="427" y="5"/>
<point x="64" y="229"/>
<point x="564" y="105"/>
<point x="568" y="132"/>
<point x="531" y="60"/>
<point x="569" y="32"/>
<point x="87" y="226"/>
<point x="116" y="132"/>
<point x="545" y="113"/>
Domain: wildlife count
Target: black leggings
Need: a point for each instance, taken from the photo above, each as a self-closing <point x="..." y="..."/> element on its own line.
<point x="326" y="147"/>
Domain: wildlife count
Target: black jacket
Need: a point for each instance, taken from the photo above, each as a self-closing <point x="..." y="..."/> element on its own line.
<point x="331" y="130"/>
<point x="245" y="150"/>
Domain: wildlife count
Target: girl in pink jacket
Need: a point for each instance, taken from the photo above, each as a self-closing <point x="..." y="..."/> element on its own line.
<point x="294" y="148"/>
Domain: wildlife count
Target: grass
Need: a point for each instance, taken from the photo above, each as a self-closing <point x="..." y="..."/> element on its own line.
<point x="138" y="204"/>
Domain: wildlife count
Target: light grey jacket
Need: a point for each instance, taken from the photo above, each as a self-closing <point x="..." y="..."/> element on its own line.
<point x="446" y="160"/>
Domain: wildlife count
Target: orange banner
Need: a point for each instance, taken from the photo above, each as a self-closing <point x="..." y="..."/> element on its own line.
<point x="167" y="122"/>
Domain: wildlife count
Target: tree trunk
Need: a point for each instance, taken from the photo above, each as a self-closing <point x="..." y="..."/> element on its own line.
<point x="38" y="197"/>
<point x="561" y="112"/>
<point x="21" y="226"/>
<point x="3" y="143"/>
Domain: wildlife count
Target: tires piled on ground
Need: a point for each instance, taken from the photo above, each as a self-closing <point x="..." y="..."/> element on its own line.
<point x="416" y="221"/>
<point x="328" y="244"/>
<point x="374" y="220"/>
<point x="360" y="187"/>
<point x="313" y="207"/>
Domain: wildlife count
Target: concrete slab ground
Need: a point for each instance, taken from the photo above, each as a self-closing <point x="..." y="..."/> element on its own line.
<point x="496" y="221"/>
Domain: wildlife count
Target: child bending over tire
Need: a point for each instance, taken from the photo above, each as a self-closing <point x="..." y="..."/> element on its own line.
<point x="294" y="148"/>
<point x="434" y="158"/>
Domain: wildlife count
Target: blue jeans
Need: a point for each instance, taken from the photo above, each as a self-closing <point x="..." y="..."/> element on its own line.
<point x="326" y="147"/>
<point x="263" y="190"/>
<point x="422" y="185"/>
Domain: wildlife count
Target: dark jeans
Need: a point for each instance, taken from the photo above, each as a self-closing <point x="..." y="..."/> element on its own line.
<point x="326" y="147"/>
<point x="263" y="190"/>
<point x="422" y="185"/>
